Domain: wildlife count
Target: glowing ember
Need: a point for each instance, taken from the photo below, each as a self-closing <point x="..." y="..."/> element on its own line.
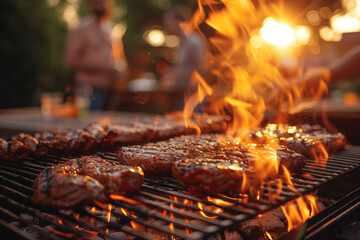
<point x="299" y="210"/>
<point x="137" y="226"/>
<point x="108" y="215"/>
<point x="268" y="235"/>
<point x="68" y="235"/>
<point x="201" y="207"/>
<point x="219" y="201"/>
<point x="124" y="211"/>
<point x="123" y="198"/>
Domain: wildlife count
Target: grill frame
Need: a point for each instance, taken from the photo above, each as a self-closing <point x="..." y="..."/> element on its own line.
<point x="19" y="177"/>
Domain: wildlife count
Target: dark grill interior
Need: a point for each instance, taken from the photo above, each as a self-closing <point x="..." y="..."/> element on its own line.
<point x="161" y="205"/>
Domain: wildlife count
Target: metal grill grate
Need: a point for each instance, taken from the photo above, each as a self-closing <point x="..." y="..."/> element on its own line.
<point x="161" y="204"/>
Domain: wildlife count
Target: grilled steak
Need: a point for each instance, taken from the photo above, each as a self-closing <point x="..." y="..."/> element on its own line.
<point x="115" y="178"/>
<point x="207" y="176"/>
<point x="159" y="157"/>
<point x="60" y="186"/>
<point x="159" y="128"/>
<point x="36" y="147"/>
<point x="234" y="168"/>
<point x="58" y="141"/>
<point x="310" y="140"/>
<point x="81" y="139"/>
<point x="13" y="150"/>
<point x="97" y="131"/>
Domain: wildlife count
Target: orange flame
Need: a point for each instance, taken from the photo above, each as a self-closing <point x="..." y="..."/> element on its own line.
<point x="191" y="102"/>
<point x="300" y="209"/>
<point x="287" y="176"/>
<point x="320" y="154"/>
<point x="248" y="81"/>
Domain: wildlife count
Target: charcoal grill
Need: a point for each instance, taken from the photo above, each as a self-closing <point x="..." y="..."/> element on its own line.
<point x="161" y="204"/>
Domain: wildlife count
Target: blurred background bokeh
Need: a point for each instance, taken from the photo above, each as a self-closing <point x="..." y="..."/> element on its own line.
<point x="34" y="34"/>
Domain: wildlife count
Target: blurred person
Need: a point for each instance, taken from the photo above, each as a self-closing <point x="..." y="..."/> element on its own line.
<point x="191" y="55"/>
<point x="97" y="59"/>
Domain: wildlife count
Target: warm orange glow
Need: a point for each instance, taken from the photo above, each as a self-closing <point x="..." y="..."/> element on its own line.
<point x="60" y="221"/>
<point x="108" y="215"/>
<point x="351" y="99"/>
<point x="300" y="209"/>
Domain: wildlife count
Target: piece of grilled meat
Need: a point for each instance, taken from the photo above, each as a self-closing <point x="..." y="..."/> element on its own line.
<point x="59" y="141"/>
<point x="81" y="139"/>
<point x="13" y="150"/>
<point x="37" y="147"/>
<point x="235" y="169"/>
<point x="150" y="129"/>
<point x="159" y="157"/>
<point x="99" y="132"/>
<point x="60" y="186"/>
<point x="309" y="140"/>
<point x="205" y="176"/>
<point x="115" y="178"/>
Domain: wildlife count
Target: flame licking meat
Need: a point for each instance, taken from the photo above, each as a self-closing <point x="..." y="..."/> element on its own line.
<point x="246" y="75"/>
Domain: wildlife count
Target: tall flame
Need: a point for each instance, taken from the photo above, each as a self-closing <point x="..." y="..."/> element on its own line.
<point x="247" y="78"/>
